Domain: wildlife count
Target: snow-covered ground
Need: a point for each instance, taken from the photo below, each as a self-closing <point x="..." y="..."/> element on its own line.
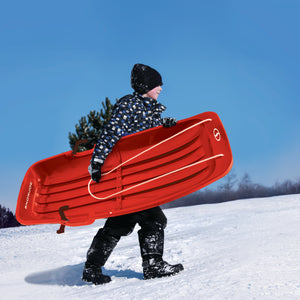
<point x="248" y="249"/>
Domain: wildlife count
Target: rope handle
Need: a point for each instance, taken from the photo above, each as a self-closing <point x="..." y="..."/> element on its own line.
<point x="158" y="177"/>
<point x="152" y="179"/>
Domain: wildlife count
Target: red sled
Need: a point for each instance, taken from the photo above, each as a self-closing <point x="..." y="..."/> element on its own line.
<point x="144" y="170"/>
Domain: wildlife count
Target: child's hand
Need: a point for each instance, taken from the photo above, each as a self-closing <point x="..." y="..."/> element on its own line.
<point x="95" y="171"/>
<point x="169" y="122"/>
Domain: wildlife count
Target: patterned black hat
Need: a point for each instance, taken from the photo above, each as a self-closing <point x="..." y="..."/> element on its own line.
<point x="144" y="78"/>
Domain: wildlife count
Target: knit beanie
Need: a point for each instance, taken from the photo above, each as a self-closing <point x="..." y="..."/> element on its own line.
<point x="144" y="78"/>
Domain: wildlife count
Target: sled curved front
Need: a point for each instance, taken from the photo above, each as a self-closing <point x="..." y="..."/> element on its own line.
<point x="144" y="170"/>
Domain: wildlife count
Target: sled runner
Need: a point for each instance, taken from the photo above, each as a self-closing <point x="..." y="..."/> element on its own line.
<point x="144" y="170"/>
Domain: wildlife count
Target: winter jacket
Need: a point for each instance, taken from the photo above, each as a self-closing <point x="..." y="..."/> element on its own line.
<point x="132" y="113"/>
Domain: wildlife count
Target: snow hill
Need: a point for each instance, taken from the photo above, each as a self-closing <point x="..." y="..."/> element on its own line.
<point x="247" y="249"/>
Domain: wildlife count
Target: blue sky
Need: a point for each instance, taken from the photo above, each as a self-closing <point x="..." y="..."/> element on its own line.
<point x="241" y="59"/>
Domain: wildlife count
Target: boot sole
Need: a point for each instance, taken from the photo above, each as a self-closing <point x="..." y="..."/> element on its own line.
<point x="88" y="280"/>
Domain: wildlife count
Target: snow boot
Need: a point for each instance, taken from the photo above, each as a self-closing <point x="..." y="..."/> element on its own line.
<point x="152" y="247"/>
<point x="97" y="255"/>
<point x="93" y="273"/>
<point x="156" y="267"/>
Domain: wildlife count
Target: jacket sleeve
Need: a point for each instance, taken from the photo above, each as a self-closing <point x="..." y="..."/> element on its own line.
<point x="122" y="119"/>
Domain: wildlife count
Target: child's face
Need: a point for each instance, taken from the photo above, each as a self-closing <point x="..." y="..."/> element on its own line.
<point x="154" y="93"/>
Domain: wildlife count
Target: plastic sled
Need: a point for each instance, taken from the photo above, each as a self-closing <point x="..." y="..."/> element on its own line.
<point x="144" y="170"/>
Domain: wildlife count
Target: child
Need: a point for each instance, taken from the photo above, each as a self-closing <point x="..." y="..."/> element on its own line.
<point x="132" y="113"/>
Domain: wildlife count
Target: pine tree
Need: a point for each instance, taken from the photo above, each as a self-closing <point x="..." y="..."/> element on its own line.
<point x="7" y="218"/>
<point x="90" y="127"/>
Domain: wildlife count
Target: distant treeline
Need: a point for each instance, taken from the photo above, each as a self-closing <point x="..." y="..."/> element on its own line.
<point x="7" y="218"/>
<point x="231" y="189"/>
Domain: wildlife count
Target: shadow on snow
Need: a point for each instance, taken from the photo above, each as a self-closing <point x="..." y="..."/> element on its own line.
<point x="71" y="276"/>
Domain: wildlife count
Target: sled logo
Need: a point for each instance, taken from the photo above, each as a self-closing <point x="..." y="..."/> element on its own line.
<point x="217" y="134"/>
<point x="28" y="195"/>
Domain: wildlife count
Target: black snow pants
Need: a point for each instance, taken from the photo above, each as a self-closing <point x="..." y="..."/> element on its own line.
<point x="151" y="235"/>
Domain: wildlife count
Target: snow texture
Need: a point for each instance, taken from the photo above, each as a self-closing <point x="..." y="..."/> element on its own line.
<point x="248" y="249"/>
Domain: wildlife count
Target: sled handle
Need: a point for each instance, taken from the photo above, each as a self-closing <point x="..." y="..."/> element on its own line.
<point x="78" y="142"/>
<point x="62" y="212"/>
<point x="152" y="179"/>
<point x="63" y="217"/>
<point x="61" y="229"/>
